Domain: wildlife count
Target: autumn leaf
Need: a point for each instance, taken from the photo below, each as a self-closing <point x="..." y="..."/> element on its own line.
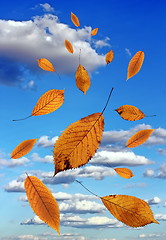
<point x="75" y="20"/>
<point x="109" y="56"/>
<point x="23" y="148"/>
<point x="46" y="65"/>
<point x="130" y="210"/>
<point x="94" y="31"/>
<point x="139" y="138"/>
<point x="135" y="64"/>
<point x="42" y="202"/>
<point x="69" y="46"/>
<point x="78" y="143"/>
<point x="82" y="79"/>
<point x="124" y="172"/>
<point x="130" y="113"/>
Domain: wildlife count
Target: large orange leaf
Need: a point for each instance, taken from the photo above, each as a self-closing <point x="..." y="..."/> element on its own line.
<point x="135" y="64"/>
<point x="69" y="46"/>
<point x="130" y="210"/>
<point x="94" y="31"/>
<point x="124" y="172"/>
<point x="46" y="65"/>
<point x="23" y="148"/>
<point x="75" y="20"/>
<point x="82" y="79"/>
<point x="109" y="56"/>
<point x="130" y="113"/>
<point x="42" y="202"/>
<point x="139" y="138"/>
<point x="78" y="143"/>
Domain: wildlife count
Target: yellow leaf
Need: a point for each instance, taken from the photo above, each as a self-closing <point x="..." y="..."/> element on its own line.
<point x="109" y="56"/>
<point x="49" y="102"/>
<point x="46" y="65"/>
<point x="42" y="202"/>
<point x="23" y="148"/>
<point x="75" y="20"/>
<point x="135" y="64"/>
<point x="124" y="172"/>
<point x="139" y="138"/>
<point x="82" y="79"/>
<point x="130" y="113"/>
<point x="78" y="143"/>
<point x="130" y="210"/>
<point x="69" y="46"/>
<point x="94" y="31"/>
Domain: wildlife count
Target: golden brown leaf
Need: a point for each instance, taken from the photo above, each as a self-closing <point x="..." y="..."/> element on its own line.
<point x="130" y="113"/>
<point x="23" y="148"/>
<point x="46" y="65"/>
<point x="75" y="20"/>
<point x="109" y="56"/>
<point x="94" y="31"/>
<point x="78" y="143"/>
<point x="135" y="64"/>
<point x="49" y="102"/>
<point x="130" y="210"/>
<point x="139" y="138"/>
<point x="69" y="46"/>
<point x="42" y="202"/>
<point x="124" y="172"/>
<point x="82" y="79"/>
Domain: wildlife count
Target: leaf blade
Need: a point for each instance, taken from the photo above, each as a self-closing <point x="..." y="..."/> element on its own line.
<point x="69" y="46"/>
<point x="130" y="113"/>
<point x="109" y="56"/>
<point x="23" y="148"/>
<point x="94" y="31"/>
<point x="75" y="20"/>
<point x="45" y="64"/>
<point x="124" y="172"/>
<point x="82" y="79"/>
<point x="135" y="64"/>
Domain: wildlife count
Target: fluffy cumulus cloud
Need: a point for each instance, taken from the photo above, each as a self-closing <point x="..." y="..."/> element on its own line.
<point x="159" y="173"/>
<point x="152" y="236"/>
<point x="47" y="7"/>
<point x="153" y="201"/>
<point x="46" y="159"/>
<point x="45" y="142"/>
<point x="11" y="163"/>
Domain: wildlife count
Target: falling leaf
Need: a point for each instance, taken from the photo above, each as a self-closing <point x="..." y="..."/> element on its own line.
<point x="69" y="46"/>
<point x="94" y="31"/>
<point x="139" y="138"/>
<point x="130" y="113"/>
<point x="82" y="79"/>
<point x="46" y="65"/>
<point x="78" y="143"/>
<point x="109" y="56"/>
<point x="130" y="210"/>
<point x="135" y="64"/>
<point x="23" y="148"/>
<point x="42" y="202"/>
<point x="124" y="172"/>
<point x="75" y="20"/>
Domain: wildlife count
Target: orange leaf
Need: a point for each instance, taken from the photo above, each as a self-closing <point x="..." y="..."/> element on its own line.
<point x="42" y="202"/>
<point x="69" y="46"/>
<point x="130" y="210"/>
<point x="139" y="138"/>
<point x="23" y="148"/>
<point x="49" y="102"/>
<point x="75" y="20"/>
<point x="124" y="172"/>
<point x="78" y="143"/>
<point x="135" y="64"/>
<point x="94" y="31"/>
<point x="46" y="65"/>
<point x="82" y="79"/>
<point x="130" y="113"/>
<point x="109" y="56"/>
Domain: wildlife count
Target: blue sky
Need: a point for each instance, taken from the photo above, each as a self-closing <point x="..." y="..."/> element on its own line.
<point x="34" y="29"/>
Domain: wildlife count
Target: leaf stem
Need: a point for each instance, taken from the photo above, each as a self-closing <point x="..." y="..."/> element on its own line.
<point x="151" y="115"/>
<point x="107" y="101"/>
<point x="22" y="118"/>
<point x="86" y="188"/>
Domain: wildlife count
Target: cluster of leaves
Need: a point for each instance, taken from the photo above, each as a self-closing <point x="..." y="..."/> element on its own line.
<point x="78" y="144"/>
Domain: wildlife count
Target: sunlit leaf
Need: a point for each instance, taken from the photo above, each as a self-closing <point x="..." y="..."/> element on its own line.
<point x="23" y="148"/>
<point x="82" y="79"/>
<point x="94" y="31"/>
<point x="130" y="113"/>
<point x="109" y="56"/>
<point x="46" y="65"/>
<point x="124" y="172"/>
<point x="75" y="20"/>
<point x="135" y="64"/>
<point x="69" y="46"/>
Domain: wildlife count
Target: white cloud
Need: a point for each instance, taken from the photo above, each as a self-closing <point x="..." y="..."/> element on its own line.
<point x="11" y="163"/>
<point x="149" y="173"/>
<point x="160" y="217"/>
<point x="47" y="7"/>
<point x="136" y="185"/>
<point x="153" y="201"/>
<point x="152" y="235"/>
<point x="46" y="159"/>
<point x="102" y="43"/>
<point x="15" y="186"/>
<point x="127" y="50"/>
<point x="45" y="142"/>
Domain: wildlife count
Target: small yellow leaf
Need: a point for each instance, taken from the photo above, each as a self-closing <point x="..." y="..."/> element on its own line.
<point x="23" y="148"/>
<point x="46" y="65"/>
<point x="124" y="172"/>
<point x="42" y="202"/>
<point x="82" y="79"/>
<point x="75" y="20"/>
<point x="135" y="64"/>
<point x="69" y="46"/>
<point x="130" y="113"/>
<point x="109" y="56"/>
<point x="139" y="138"/>
<point x="130" y="210"/>
<point x="94" y="31"/>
